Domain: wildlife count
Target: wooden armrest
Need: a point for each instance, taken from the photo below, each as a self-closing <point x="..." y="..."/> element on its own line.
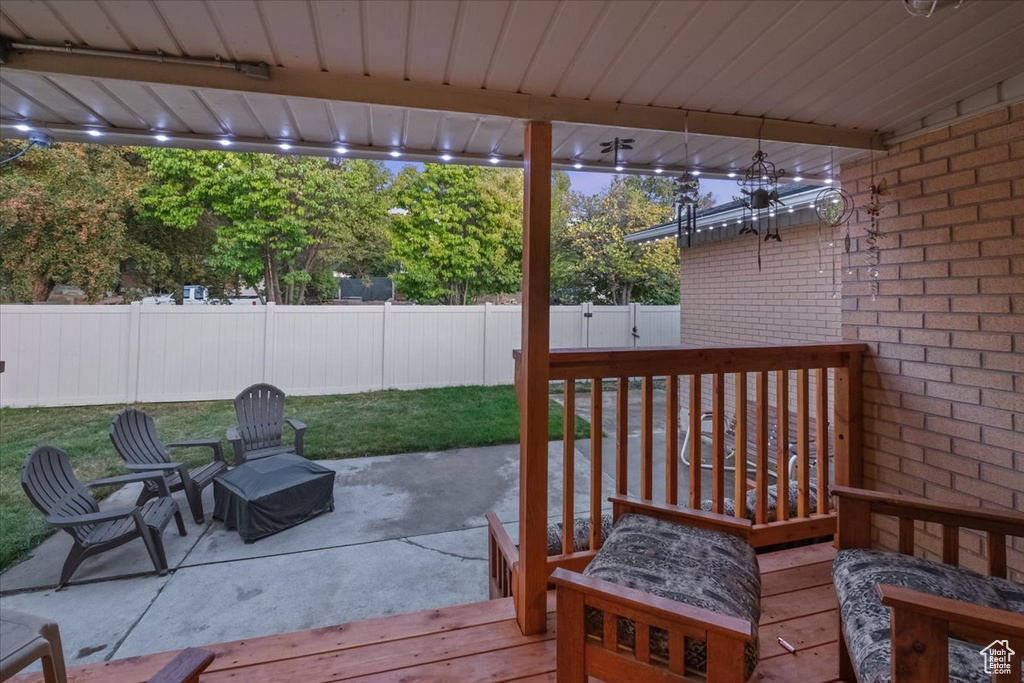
<point x="700" y="519"/>
<point x="185" y="668"/>
<point x="965" y="618"/>
<point x="661" y="608"/>
<point x="910" y="507"/>
<point x="501" y="538"/>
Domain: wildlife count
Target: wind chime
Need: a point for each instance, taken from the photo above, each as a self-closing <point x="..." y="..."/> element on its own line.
<point x="686" y="194"/>
<point x="874" y="211"/>
<point x="760" y="187"/>
<point x="834" y="207"/>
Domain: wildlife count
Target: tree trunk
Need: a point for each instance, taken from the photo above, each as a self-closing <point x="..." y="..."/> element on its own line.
<point x="42" y="287"/>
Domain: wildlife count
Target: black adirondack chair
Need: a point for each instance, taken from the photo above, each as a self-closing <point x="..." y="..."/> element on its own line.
<point x="134" y="436"/>
<point x="51" y="485"/>
<point x="261" y="420"/>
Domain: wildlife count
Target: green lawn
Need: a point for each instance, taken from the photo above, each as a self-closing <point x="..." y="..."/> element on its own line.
<point x="345" y="426"/>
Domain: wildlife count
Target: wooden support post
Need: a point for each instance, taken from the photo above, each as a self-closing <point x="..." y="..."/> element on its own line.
<point x="849" y="428"/>
<point x="531" y="598"/>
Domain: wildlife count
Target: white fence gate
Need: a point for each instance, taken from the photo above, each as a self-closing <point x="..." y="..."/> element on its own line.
<point x="86" y="355"/>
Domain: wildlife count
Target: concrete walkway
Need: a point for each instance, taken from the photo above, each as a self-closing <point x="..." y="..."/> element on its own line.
<point x="407" y="533"/>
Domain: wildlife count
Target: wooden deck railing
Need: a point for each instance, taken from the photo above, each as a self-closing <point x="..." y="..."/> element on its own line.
<point x="762" y="410"/>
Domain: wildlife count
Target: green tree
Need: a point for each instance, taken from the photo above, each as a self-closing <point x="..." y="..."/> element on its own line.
<point x="63" y="214"/>
<point x="460" y="235"/>
<point x="591" y="260"/>
<point x="277" y="219"/>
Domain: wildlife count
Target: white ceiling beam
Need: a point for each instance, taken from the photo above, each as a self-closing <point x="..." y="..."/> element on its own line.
<point x="325" y="86"/>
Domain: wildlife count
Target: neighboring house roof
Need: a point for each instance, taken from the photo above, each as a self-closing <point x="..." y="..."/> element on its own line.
<point x="723" y="221"/>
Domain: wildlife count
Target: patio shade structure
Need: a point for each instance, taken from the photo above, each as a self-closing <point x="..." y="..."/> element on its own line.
<point x="536" y="84"/>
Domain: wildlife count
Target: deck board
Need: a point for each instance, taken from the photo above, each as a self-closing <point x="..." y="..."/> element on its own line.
<point x="481" y="641"/>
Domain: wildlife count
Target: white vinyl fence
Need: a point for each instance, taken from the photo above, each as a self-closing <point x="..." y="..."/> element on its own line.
<point x="87" y="355"/>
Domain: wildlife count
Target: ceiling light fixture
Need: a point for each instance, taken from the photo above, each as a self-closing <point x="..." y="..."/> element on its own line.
<point x="446" y="157"/>
<point x="341" y="150"/>
<point x="732" y="175"/>
<point x="618" y="168"/>
<point x="695" y="173"/>
<point x="94" y="133"/>
<point x="577" y="165"/>
<point x="797" y="179"/>
<point x="285" y="146"/>
<point x="23" y="128"/>
<point x="162" y="138"/>
<point x="926" y="8"/>
<point x="224" y="142"/>
<point x="395" y="153"/>
<point x="828" y="181"/>
<point x="657" y="170"/>
<point x="494" y="160"/>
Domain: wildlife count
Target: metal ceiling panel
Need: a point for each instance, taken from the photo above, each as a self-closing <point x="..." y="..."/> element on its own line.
<point x="352" y="122"/>
<point x="479" y="30"/>
<point x="190" y="108"/>
<point x="291" y="32"/>
<point x="385" y="38"/>
<point x="191" y="26"/>
<point x="527" y="23"/>
<point x="339" y="30"/>
<point x="240" y="23"/>
<point x="312" y="119"/>
<point x="47" y="97"/>
<point x="561" y="42"/>
<point x="90" y="21"/>
<point x="422" y="127"/>
<point x="430" y="23"/>
<point x="98" y="98"/>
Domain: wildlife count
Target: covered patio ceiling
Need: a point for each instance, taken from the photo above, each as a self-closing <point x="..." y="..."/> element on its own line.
<point x="693" y="82"/>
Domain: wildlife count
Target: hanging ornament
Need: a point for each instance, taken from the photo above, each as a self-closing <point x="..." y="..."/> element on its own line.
<point x="760" y="187"/>
<point x="686" y="194"/>
<point x="874" y="210"/>
<point x="834" y="207"/>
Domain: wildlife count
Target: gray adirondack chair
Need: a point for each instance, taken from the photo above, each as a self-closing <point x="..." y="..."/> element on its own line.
<point x="134" y="436"/>
<point x="261" y="420"/>
<point x="51" y="485"/>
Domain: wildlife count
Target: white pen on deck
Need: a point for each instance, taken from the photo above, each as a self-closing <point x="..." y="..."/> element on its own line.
<point x="786" y="645"/>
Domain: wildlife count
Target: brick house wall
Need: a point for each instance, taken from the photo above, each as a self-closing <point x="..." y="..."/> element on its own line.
<point x="724" y="300"/>
<point x="944" y="381"/>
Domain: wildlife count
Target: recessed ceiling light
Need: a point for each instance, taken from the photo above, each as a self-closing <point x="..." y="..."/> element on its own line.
<point x="285" y="146"/>
<point x="341" y="150"/>
<point x="224" y="142"/>
<point x="577" y="165"/>
<point x="494" y="160"/>
<point x="724" y="224"/>
<point x="657" y="170"/>
<point x="94" y="133"/>
<point x="732" y="175"/>
<point x="23" y="128"/>
<point x="698" y="229"/>
<point x="618" y="168"/>
<point x="791" y="210"/>
<point x="162" y="137"/>
<point x="828" y="181"/>
<point x="446" y="157"/>
<point x="797" y="179"/>
<point x="395" y="153"/>
<point x="695" y="173"/>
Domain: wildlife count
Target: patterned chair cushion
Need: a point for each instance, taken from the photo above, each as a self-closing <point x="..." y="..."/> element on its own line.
<point x="866" y="620"/>
<point x="707" y="569"/>
<point x="729" y="505"/>
<point x="580" y="534"/>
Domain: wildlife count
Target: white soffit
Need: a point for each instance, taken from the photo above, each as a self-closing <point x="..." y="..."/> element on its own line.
<point x="861" y="64"/>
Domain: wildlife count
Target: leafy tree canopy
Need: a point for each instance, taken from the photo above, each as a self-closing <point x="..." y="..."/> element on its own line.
<point x="63" y="214"/>
<point x="460" y="235"/>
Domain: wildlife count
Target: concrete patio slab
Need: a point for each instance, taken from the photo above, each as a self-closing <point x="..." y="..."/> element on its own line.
<point x="41" y="568"/>
<point x="93" y="618"/>
<point x="251" y="598"/>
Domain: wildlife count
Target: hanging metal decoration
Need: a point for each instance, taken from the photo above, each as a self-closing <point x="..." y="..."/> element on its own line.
<point x="874" y="211"/>
<point x="686" y="194"/>
<point x="760" y="187"/>
<point x="615" y="146"/>
<point x="834" y="207"/>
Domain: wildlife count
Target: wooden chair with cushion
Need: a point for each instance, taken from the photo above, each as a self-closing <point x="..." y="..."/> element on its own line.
<point x="261" y="420"/>
<point x="134" y="436"/>
<point x="51" y="485"/>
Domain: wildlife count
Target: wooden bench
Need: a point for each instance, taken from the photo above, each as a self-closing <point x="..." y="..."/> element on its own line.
<point x="940" y="616"/>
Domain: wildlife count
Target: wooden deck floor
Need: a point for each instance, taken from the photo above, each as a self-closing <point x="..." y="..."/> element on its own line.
<point x="481" y="641"/>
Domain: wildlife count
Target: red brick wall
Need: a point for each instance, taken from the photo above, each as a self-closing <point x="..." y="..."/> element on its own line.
<point x="725" y="300"/>
<point x="944" y="383"/>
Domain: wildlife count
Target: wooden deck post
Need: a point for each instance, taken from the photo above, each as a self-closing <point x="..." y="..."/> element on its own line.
<point x="531" y="598"/>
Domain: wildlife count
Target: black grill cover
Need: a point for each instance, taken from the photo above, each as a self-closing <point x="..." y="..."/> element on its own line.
<point x="264" y="496"/>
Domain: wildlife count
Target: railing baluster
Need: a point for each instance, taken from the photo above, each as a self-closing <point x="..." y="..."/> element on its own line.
<point x="782" y="439"/>
<point x="740" y="478"/>
<point x="821" y="437"/>
<point x="803" y="444"/>
<point x="906" y="539"/>
<point x="718" y="444"/>
<point x="950" y="544"/>
<point x="676" y="652"/>
<point x="695" y="441"/>
<point x="596" y="473"/>
<point x="622" y="438"/>
<point x="672" y="440"/>
<point x="643" y="642"/>
<point x="569" y="467"/>
<point x="647" y="439"/>
<point x="611" y="631"/>
<point x="761" y="512"/>
<point x="997" y="555"/>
